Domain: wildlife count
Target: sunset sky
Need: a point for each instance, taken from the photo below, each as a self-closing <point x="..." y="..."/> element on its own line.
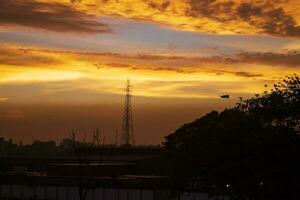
<point x="64" y="63"/>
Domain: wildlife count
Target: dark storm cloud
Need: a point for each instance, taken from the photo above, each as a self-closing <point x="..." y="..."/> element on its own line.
<point x="264" y="16"/>
<point x="48" y="16"/>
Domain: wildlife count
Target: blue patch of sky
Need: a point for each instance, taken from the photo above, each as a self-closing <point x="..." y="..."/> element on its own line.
<point x="131" y="36"/>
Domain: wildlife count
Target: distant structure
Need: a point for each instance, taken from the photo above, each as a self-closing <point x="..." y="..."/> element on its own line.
<point x="127" y="135"/>
<point x="226" y="96"/>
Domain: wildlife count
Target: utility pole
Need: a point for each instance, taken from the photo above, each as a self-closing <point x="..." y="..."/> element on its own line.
<point x="127" y="136"/>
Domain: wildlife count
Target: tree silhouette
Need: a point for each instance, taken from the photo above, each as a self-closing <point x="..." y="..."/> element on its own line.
<point x="280" y="107"/>
<point x="251" y="151"/>
<point x="83" y="151"/>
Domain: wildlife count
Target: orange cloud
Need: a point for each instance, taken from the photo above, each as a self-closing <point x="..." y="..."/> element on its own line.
<point x="96" y="73"/>
<point x="291" y="58"/>
<point x="48" y="16"/>
<point x="87" y="61"/>
<point x="14" y="55"/>
<point x="276" y="17"/>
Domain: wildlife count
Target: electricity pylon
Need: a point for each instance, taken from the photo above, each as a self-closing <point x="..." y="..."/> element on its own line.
<point x="127" y="136"/>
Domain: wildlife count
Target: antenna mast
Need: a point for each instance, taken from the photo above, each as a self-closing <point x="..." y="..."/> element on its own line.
<point x="127" y="136"/>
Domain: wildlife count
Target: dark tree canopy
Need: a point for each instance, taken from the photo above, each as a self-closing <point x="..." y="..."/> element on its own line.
<point x="252" y="149"/>
<point x="279" y="107"/>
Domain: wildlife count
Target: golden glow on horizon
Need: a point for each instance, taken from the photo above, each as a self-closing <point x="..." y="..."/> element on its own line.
<point x="3" y="99"/>
<point x="105" y="73"/>
<point x="28" y="75"/>
<point x="64" y="63"/>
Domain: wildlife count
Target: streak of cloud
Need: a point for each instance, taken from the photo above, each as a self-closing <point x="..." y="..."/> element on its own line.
<point x="29" y="56"/>
<point x="291" y="58"/>
<point x="48" y="16"/>
<point x="13" y="55"/>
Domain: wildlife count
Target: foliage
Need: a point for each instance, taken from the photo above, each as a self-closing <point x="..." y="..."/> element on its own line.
<point x="251" y="150"/>
<point x="280" y="107"/>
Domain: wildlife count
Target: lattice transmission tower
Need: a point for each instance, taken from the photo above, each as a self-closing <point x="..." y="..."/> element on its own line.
<point x="127" y="135"/>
